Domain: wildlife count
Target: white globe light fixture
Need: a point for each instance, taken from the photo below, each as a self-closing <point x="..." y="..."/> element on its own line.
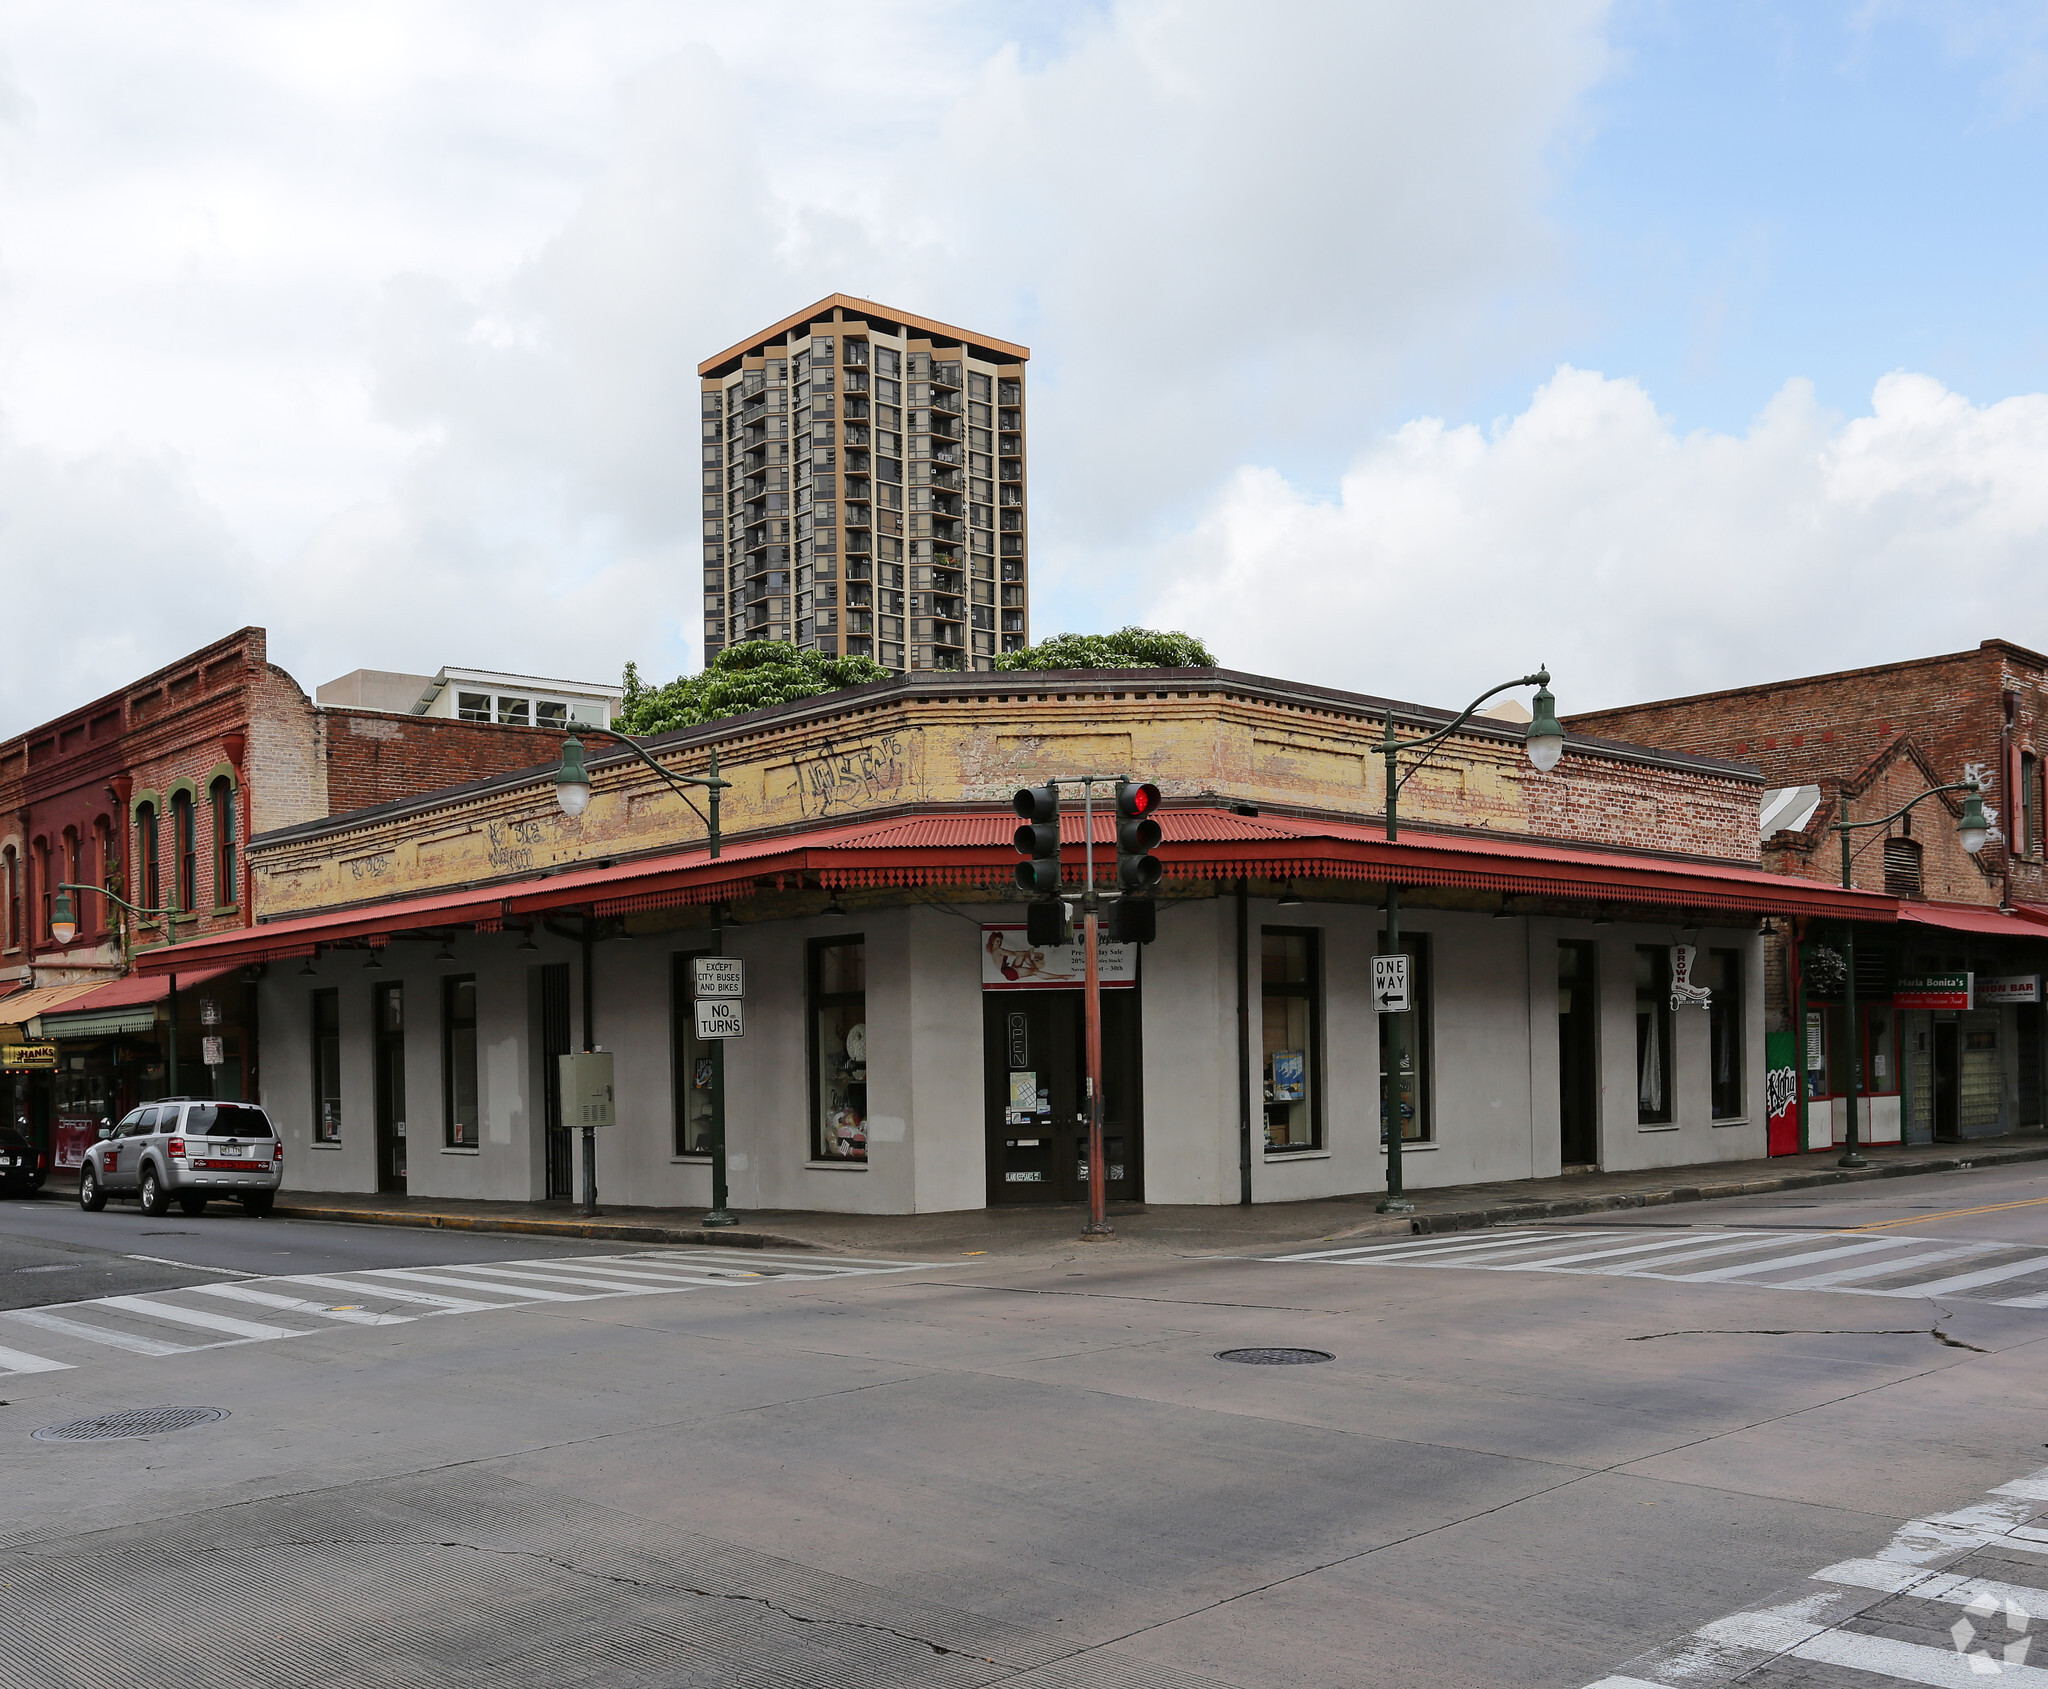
<point x="1544" y="738"/>
<point x="1973" y="831"/>
<point x="572" y="780"/>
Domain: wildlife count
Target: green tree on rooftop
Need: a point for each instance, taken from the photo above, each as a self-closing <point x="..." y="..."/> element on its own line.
<point x="1127" y="648"/>
<point x="747" y="676"/>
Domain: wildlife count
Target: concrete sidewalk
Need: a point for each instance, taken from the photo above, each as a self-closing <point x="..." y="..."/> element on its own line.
<point x="1156" y="1229"/>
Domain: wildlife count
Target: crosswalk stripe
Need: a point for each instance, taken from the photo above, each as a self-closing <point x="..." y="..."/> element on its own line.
<point x="192" y="1316"/>
<point x="1652" y="1269"/>
<point x="641" y="1274"/>
<point x="415" y="1275"/>
<point x="620" y="1287"/>
<point x="1381" y="1251"/>
<point x="1758" y="1240"/>
<point x="1878" y="1269"/>
<point x="99" y="1334"/>
<point x="836" y="1264"/>
<point x="1969" y="1281"/>
<point x="447" y="1304"/>
<point x="298" y="1305"/>
<point x="1745" y="1269"/>
<point x="1911" y="1662"/>
<point x="17" y="1360"/>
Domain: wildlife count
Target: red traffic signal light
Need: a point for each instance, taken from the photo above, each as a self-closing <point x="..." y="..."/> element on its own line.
<point x="1136" y="799"/>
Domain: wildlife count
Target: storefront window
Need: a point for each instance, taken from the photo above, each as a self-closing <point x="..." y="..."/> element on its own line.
<point x="458" y="1060"/>
<point x="1724" y="1032"/>
<point x="1290" y="987"/>
<point x="839" y="1049"/>
<point x="689" y="1062"/>
<point x="327" y="1067"/>
<point x="1653" y="1035"/>
<point x="1880" y="1075"/>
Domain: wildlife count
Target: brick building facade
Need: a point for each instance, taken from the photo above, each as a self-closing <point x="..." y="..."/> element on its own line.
<point x="1868" y="742"/>
<point x="151" y="792"/>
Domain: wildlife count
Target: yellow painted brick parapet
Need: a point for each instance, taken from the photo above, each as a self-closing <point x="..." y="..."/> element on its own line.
<point x="922" y="742"/>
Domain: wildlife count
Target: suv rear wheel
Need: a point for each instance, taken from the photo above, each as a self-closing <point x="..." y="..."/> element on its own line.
<point x="258" y="1202"/>
<point x="92" y="1197"/>
<point x="156" y="1201"/>
<point x="192" y="1204"/>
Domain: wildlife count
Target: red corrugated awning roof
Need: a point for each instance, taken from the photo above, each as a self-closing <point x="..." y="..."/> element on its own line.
<point x="145" y="988"/>
<point x="956" y="848"/>
<point x="1975" y="918"/>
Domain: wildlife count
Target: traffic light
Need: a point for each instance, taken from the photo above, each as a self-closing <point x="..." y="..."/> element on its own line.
<point x="1039" y="839"/>
<point x="1135" y="918"/>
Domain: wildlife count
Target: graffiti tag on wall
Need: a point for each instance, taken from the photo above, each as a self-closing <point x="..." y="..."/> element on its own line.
<point x="854" y="779"/>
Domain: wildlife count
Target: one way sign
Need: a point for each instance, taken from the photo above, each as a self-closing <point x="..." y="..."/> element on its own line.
<point x="1390" y="985"/>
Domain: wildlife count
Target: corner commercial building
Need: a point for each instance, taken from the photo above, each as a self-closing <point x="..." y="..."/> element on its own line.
<point x="424" y="962"/>
<point x="865" y="489"/>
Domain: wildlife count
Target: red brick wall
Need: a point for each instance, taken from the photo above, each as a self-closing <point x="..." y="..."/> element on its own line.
<point x="1825" y="729"/>
<point x="372" y="757"/>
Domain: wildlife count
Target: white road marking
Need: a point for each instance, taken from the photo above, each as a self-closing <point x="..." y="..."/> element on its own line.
<point x="417" y="1275"/>
<point x="1878" y="1269"/>
<point x="1352" y="1253"/>
<point x="191" y="1266"/>
<point x="17" y="1360"/>
<point x="1811" y="1627"/>
<point x="1778" y="1261"/>
<point x="1756" y="1240"/>
<point x="98" y="1334"/>
<point x="1970" y="1281"/>
<point x="622" y="1287"/>
<point x="148" y="1309"/>
<point x="447" y="1304"/>
<point x="299" y="1305"/>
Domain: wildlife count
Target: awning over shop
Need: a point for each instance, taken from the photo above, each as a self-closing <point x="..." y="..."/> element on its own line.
<point x="1955" y="917"/>
<point x="126" y="1006"/>
<point x="18" y="1011"/>
<point x="957" y="848"/>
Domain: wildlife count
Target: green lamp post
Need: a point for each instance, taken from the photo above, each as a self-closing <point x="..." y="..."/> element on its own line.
<point x="1973" y="829"/>
<point x="572" y="795"/>
<point x="1543" y="742"/>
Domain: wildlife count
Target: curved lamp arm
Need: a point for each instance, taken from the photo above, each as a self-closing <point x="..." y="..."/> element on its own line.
<point x="1543" y="726"/>
<point x="572" y="779"/>
<point x="62" y="915"/>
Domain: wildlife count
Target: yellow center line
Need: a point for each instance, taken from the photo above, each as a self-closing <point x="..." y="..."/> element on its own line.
<point x="1952" y="1214"/>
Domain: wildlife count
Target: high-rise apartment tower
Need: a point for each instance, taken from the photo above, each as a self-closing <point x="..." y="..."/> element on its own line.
<point x="864" y="489"/>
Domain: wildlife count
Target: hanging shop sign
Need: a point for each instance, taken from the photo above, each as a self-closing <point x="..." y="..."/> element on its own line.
<point x="1685" y="994"/>
<point x="28" y="1058"/>
<point x="1996" y="989"/>
<point x="1934" y="991"/>
<point x="1011" y="962"/>
<point x="1781" y="1094"/>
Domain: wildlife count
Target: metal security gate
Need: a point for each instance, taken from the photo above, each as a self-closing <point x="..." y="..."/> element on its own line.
<point x="554" y="1041"/>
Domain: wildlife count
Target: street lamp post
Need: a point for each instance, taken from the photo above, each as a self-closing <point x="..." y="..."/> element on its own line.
<point x="572" y="794"/>
<point x="1544" y="742"/>
<point x="64" y="928"/>
<point x="1973" y="829"/>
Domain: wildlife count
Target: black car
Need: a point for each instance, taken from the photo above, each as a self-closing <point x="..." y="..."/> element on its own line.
<point x="22" y="1167"/>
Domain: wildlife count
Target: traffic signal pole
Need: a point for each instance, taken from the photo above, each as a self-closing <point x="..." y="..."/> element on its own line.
<point x="1098" y="1174"/>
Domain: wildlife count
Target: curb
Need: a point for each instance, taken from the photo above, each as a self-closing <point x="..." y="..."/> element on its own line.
<point x="1469" y="1219"/>
<point x="616" y="1232"/>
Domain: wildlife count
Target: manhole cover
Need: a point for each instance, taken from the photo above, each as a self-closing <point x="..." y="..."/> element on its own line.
<point x="129" y="1422"/>
<point x="1262" y="1357"/>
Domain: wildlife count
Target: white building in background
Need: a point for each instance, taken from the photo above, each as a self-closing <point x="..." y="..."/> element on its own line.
<point x="511" y="700"/>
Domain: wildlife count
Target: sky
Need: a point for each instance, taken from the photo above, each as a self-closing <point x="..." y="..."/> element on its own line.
<point x="1392" y="346"/>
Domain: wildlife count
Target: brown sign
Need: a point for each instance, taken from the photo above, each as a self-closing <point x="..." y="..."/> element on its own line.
<point x="28" y="1058"/>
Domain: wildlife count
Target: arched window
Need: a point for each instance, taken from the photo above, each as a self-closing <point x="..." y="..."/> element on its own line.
<point x="103" y="860"/>
<point x="1902" y="867"/>
<point x="40" y="861"/>
<point x="184" y="852"/>
<point x="10" y="864"/>
<point x="70" y="873"/>
<point x="224" y="885"/>
<point x="146" y="847"/>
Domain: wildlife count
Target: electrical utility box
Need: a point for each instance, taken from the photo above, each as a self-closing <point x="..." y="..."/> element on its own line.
<point x="587" y="1089"/>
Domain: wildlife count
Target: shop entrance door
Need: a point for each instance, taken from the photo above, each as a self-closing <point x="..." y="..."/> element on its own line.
<point x="390" y="1012"/>
<point x="1578" y="1081"/>
<point x="1035" y="1059"/>
<point x="554" y="1044"/>
<point x="1946" y="1095"/>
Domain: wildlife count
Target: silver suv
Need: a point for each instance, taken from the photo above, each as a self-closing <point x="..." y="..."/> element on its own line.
<point x="187" y="1149"/>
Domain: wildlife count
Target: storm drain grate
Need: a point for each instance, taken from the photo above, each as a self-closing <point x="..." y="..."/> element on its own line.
<point x="1271" y="1357"/>
<point x="129" y="1422"/>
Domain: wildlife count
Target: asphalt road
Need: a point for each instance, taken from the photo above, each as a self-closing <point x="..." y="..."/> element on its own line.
<point x="1517" y="1468"/>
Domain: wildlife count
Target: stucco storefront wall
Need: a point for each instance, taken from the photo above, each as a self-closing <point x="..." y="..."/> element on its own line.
<point x="1492" y="1066"/>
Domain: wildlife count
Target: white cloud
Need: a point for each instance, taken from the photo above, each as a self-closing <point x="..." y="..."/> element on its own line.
<point x="411" y="295"/>
<point x="1638" y="562"/>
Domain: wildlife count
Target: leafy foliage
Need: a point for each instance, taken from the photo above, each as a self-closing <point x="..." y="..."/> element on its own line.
<point x="1127" y="648"/>
<point x="747" y="676"/>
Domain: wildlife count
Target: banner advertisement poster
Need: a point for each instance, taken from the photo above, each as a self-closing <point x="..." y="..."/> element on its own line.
<point x="72" y="1136"/>
<point x="1010" y="962"/>
<point x="1781" y="1094"/>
